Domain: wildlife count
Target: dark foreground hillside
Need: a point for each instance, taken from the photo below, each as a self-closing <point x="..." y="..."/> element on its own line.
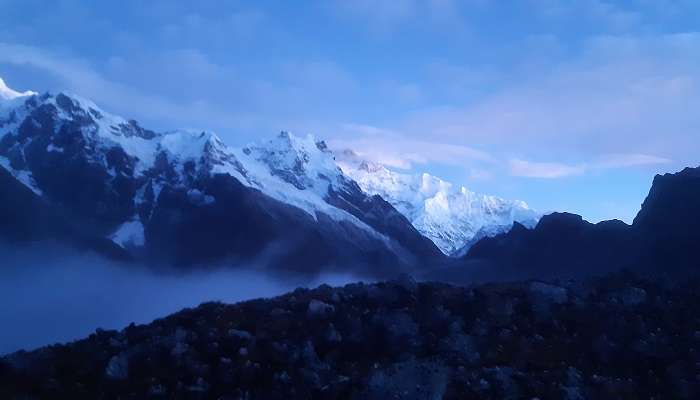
<point x="619" y="337"/>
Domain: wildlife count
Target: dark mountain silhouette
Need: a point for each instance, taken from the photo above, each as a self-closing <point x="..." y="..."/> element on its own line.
<point x="668" y="225"/>
<point x="663" y="238"/>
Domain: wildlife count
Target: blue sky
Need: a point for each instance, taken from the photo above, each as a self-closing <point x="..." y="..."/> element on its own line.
<point x="568" y="105"/>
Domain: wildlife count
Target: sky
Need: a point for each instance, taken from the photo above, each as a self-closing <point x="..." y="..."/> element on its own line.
<point x="569" y="105"/>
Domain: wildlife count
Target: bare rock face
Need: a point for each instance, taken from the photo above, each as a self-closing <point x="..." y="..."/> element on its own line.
<point x="319" y="309"/>
<point x="118" y="367"/>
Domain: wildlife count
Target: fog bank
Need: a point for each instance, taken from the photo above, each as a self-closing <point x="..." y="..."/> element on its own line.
<point x="50" y="295"/>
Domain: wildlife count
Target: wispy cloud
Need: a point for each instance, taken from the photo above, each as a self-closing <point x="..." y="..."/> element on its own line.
<point x="546" y="170"/>
<point x="399" y="150"/>
<point x="629" y="160"/>
<point x="551" y="170"/>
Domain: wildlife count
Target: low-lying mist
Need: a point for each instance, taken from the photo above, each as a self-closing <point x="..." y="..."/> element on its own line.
<point x="49" y="294"/>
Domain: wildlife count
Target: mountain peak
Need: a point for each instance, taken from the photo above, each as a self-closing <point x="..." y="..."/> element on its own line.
<point x="671" y="205"/>
<point x="190" y="144"/>
<point x="690" y="172"/>
<point x="287" y="141"/>
<point x="299" y="160"/>
<point x="349" y="159"/>
<point x="7" y="93"/>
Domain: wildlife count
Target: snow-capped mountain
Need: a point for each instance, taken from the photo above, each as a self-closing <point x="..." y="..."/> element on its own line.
<point x="453" y="217"/>
<point x="153" y="193"/>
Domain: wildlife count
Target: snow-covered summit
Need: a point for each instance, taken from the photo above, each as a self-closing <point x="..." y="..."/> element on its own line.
<point x="7" y="93"/>
<point x="303" y="162"/>
<point x="298" y="170"/>
<point x="451" y="216"/>
<point x="10" y="99"/>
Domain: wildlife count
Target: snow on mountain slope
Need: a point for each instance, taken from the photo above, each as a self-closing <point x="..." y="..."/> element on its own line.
<point x="25" y="177"/>
<point x="130" y="233"/>
<point x="452" y="217"/>
<point x="9" y="100"/>
<point x="296" y="170"/>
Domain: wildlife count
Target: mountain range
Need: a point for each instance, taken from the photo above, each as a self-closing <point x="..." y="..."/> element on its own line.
<point x="185" y="197"/>
<point x="74" y="173"/>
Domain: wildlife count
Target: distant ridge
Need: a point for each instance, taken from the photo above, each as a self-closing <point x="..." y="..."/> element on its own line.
<point x="663" y="239"/>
